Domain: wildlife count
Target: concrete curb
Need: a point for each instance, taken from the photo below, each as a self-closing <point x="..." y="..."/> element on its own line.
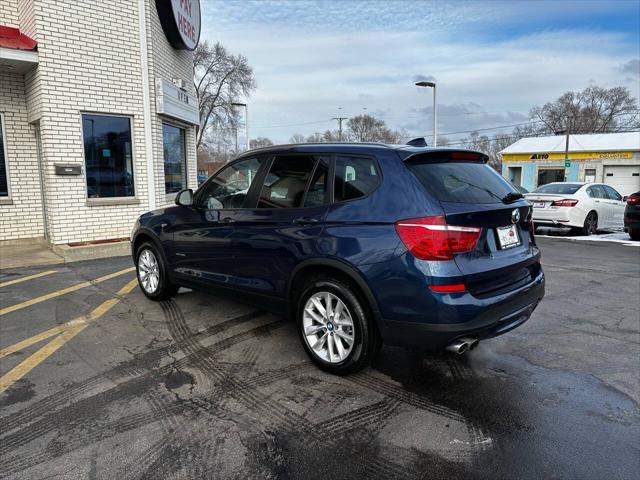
<point x="92" y="252"/>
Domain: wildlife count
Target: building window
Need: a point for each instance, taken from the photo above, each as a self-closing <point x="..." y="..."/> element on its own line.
<point x="4" y="168"/>
<point x="549" y="175"/>
<point x="515" y="175"/>
<point x="175" y="158"/>
<point x="590" y="175"/>
<point x="108" y="156"/>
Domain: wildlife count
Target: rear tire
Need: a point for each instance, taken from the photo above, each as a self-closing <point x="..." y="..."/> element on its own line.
<point x="590" y="226"/>
<point x="324" y="332"/>
<point x="152" y="274"/>
<point x="635" y="234"/>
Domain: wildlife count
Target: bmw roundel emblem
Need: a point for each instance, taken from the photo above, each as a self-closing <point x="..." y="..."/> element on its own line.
<point x="515" y="216"/>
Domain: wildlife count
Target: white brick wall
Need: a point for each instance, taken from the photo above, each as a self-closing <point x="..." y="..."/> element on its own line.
<point x="23" y="217"/>
<point x="90" y="62"/>
<point x="9" y="16"/>
<point x="167" y="63"/>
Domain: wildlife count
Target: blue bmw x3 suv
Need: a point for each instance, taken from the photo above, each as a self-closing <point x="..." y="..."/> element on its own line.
<point x="362" y="244"/>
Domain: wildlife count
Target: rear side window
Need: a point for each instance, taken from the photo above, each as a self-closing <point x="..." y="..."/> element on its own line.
<point x="286" y="182"/>
<point x="596" y="191"/>
<point x="458" y="182"/>
<point x="355" y="177"/>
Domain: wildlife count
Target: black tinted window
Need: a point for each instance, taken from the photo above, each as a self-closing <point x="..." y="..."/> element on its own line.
<point x="285" y="184"/>
<point x="560" y="188"/>
<point x="229" y="187"/>
<point x="108" y="156"/>
<point x="612" y="193"/>
<point x="318" y="192"/>
<point x="462" y="182"/>
<point x="355" y="177"/>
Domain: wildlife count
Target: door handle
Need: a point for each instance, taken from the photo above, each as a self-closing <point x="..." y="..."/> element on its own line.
<point x="227" y="220"/>
<point x="305" y="221"/>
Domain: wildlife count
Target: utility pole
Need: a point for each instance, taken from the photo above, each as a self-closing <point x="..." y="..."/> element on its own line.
<point x="567" y="163"/>
<point x="340" y="120"/>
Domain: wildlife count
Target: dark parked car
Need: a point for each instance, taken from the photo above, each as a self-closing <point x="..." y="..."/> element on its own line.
<point x="360" y="243"/>
<point x="632" y="216"/>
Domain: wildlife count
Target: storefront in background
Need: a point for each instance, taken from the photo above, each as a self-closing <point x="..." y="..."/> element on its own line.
<point x="611" y="158"/>
<point x="97" y="114"/>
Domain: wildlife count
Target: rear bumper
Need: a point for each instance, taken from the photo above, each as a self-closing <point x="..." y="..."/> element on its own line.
<point x="561" y="216"/>
<point x="490" y="318"/>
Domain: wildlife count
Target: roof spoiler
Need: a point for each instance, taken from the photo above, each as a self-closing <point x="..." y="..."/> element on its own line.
<point x="418" y="142"/>
<point x="447" y="155"/>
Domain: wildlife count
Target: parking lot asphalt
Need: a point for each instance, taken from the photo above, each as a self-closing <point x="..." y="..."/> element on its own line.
<point x="100" y="382"/>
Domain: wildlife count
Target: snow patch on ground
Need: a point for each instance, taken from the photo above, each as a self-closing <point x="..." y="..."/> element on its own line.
<point x="617" y="237"/>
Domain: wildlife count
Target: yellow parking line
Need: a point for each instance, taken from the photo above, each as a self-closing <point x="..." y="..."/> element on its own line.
<point x="64" y="291"/>
<point x="67" y="332"/>
<point x="28" y="277"/>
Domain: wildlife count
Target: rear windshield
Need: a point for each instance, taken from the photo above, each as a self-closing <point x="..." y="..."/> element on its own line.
<point x="561" y="188"/>
<point x="462" y="182"/>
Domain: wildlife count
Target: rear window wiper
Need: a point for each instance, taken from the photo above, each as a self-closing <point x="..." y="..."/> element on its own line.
<point x="512" y="197"/>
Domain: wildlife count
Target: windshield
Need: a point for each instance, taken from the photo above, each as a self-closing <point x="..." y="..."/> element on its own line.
<point x="559" y="188"/>
<point x="459" y="182"/>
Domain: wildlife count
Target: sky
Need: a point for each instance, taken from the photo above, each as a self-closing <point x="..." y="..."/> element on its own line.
<point x="492" y="60"/>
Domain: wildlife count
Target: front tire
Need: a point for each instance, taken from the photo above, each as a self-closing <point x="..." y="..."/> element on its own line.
<point x="152" y="274"/>
<point x="634" y="233"/>
<point x="333" y="327"/>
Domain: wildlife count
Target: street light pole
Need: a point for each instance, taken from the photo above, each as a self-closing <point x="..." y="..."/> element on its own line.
<point x="435" y="108"/>
<point x="246" y="122"/>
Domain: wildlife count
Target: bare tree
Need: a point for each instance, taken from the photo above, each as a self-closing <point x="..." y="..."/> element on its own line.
<point x="297" y="138"/>
<point x="367" y="128"/>
<point x="592" y="110"/>
<point x="260" y="142"/>
<point x="220" y="79"/>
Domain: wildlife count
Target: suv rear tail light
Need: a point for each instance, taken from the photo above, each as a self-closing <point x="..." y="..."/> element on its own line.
<point x="430" y="238"/>
<point x="564" y="203"/>
<point x="633" y="200"/>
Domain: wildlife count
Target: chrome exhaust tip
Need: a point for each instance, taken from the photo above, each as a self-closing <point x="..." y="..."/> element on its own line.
<point x="458" y="347"/>
<point x="463" y="345"/>
<point x="473" y="342"/>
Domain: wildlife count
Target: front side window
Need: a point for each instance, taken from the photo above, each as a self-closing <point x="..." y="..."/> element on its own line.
<point x="612" y="194"/>
<point x="229" y="187"/>
<point x="108" y="156"/>
<point x="286" y="182"/>
<point x="175" y="158"/>
<point x="4" y="183"/>
<point x="355" y="177"/>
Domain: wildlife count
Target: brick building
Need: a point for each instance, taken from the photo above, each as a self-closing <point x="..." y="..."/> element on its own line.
<point x="97" y="114"/>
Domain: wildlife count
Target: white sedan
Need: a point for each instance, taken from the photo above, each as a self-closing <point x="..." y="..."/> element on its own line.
<point x="587" y="207"/>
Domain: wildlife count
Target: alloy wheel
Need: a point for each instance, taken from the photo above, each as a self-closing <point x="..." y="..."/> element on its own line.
<point x="148" y="271"/>
<point x="328" y="327"/>
<point x="592" y="224"/>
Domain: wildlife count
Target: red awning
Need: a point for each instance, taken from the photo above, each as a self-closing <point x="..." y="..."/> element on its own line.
<point x="12" y="38"/>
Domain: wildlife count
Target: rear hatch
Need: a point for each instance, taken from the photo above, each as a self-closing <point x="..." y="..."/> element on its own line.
<point x="472" y="194"/>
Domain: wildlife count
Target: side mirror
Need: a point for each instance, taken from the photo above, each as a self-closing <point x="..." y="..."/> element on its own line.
<point x="625" y="198"/>
<point x="185" y="198"/>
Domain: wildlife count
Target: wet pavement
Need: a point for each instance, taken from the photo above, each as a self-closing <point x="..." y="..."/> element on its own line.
<point x="204" y="387"/>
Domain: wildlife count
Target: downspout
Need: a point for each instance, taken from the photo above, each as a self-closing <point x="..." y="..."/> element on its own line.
<point x="146" y="104"/>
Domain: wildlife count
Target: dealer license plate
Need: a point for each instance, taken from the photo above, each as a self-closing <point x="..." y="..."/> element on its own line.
<point x="538" y="204"/>
<point x="508" y="237"/>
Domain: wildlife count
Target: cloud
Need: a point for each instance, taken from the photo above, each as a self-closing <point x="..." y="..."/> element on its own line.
<point x="631" y="69"/>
